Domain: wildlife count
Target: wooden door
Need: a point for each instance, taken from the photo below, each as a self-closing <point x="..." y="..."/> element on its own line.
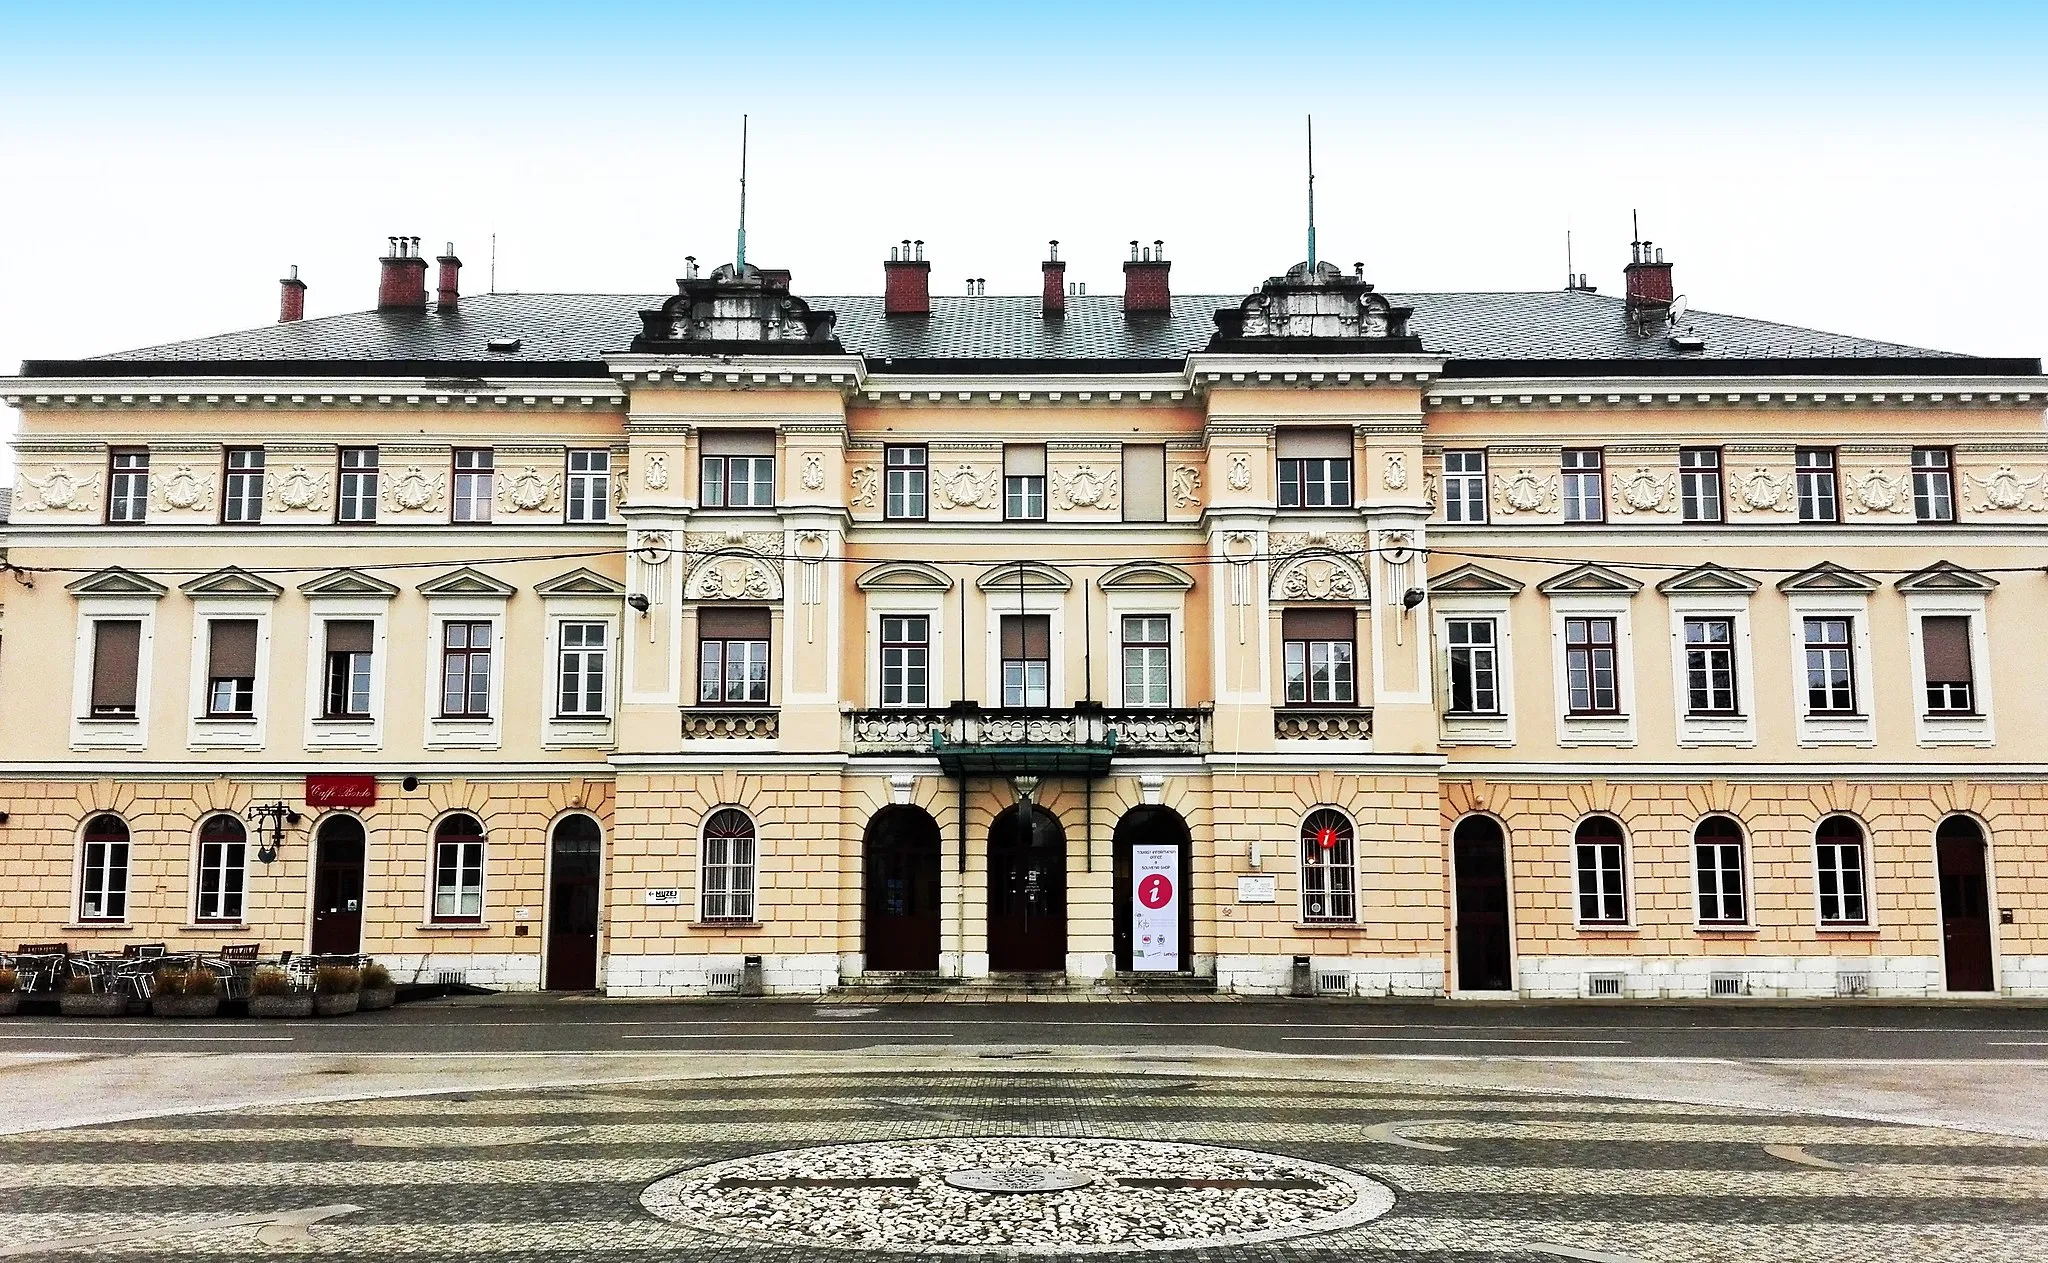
<point x="1965" y="905"/>
<point x="575" y="869"/>
<point x="1485" y="945"/>
<point x="1027" y="893"/>
<point x="338" y="887"/>
<point x="900" y="874"/>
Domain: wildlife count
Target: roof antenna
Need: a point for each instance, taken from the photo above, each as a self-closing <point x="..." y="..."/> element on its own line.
<point x="494" y="263"/>
<point x="1570" y="277"/>
<point x="1311" y="197"/>
<point x="740" y="255"/>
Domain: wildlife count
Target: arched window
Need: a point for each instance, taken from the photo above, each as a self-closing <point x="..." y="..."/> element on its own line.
<point x="1840" y="872"/>
<point x="103" y="879"/>
<point x="459" y="869"/>
<point x="223" y="869"/>
<point x="1603" y="892"/>
<point x="1329" y="867"/>
<point x="1719" y="872"/>
<point x="728" y="866"/>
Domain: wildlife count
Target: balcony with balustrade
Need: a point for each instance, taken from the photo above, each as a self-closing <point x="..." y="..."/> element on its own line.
<point x="1081" y="740"/>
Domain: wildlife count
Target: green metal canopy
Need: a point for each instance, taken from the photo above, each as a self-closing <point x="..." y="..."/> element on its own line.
<point x="1023" y="760"/>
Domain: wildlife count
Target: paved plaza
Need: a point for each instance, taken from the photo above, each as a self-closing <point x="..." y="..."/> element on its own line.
<point x="1015" y="1160"/>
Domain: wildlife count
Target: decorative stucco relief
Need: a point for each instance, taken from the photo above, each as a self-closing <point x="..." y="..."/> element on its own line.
<point x="734" y="578"/>
<point x="1761" y="489"/>
<point x="1083" y="488"/>
<point x="182" y="489"/>
<point x="299" y="489"/>
<point x="1879" y="492"/>
<point x="1240" y="475"/>
<point x="415" y="491"/>
<point x="529" y="490"/>
<point x="966" y="487"/>
<point x="1317" y="577"/>
<point x="1186" y="486"/>
<point x="866" y="483"/>
<point x="656" y="476"/>
<point x="1396" y="475"/>
<point x="62" y="490"/>
<point x="1430" y="490"/>
<point x="2004" y="492"/>
<point x="813" y="475"/>
<point x="1287" y="543"/>
<point x="1646" y="492"/>
<point x="1526" y="491"/>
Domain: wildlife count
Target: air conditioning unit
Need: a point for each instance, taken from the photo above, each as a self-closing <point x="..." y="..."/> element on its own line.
<point x="1332" y="982"/>
<point x="1852" y="982"/>
<point x="1722" y="986"/>
<point x="451" y="978"/>
<point x="1604" y="986"/>
<point x="725" y="981"/>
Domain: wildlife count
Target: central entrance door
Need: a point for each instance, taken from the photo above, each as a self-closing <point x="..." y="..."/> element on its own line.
<point x="900" y="873"/>
<point x="1484" y="943"/>
<point x="1158" y="837"/>
<point x="1965" y="904"/>
<point x="338" y="887"/>
<point x="575" y="863"/>
<point x="1027" y="892"/>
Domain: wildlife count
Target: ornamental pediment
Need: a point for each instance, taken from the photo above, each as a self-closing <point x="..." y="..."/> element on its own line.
<point x="115" y="581"/>
<point x="1946" y="576"/>
<point x="1315" y="304"/>
<point x="1710" y="579"/>
<point x="348" y="583"/>
<point x="1589" y="579"/>
<point x="1145" y="575"/>
<point x="732" y="309"/>
<point x="900" y="575"/>
<point x="232" y="581"/>
<point x="734" y="576"/>
<point x="1029" y="575"/>
<point x="1318" y="575"/>
<point x="1828" y="577"/>
<point x="467" y="581"/>
<point x="1473" y="580"/>
<point x="581" y="581"/>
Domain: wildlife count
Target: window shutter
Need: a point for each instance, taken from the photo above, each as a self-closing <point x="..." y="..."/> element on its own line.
<point x="719" y="623"/>
<point x="1027" y="636"/>
<point x="348" y="637"/>
<point x="737" y="443"/>
<point x="1024" y="460"/>
<point x="1946" y="642"/>
<point x="1338" y="624"/>
<point x="116" y="658"/>
<point x="1144" y="482"/>
<point x="1314" y="444"/>
<point x="233" y="651"/>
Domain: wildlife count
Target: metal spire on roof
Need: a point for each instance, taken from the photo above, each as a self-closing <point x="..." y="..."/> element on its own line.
<point x="740" y="253"/>
<point x="1311" y="197"/>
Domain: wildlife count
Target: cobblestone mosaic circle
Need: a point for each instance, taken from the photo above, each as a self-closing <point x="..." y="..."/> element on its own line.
<point x="1138" y="1195"/>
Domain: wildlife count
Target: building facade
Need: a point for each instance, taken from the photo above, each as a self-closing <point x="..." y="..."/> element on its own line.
<point x="1551" y="644"/>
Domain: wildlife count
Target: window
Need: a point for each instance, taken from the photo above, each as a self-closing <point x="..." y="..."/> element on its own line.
<point x="1933" y="485"/>
<point x="732" y="657"/>
<point x="128" y="486"/>
<point x="223" y="869"/>
<point x="1603" y="899"/>
<point x="1144" y="476"/>
<point x="1316" y="654"/>
<point x="231" y="668"/>
<point x="1945" y="649"/>
<point x="473" y="467"/>
<point x="580" y="673"/>
<point x="906" y="660"/>
<point x="590" y="486"/>
<point x="1585" y="485"/>
<point x="1592" y="680"/>
<point x="243" y="500"/>
<point x="1147" y="661"/>
<point x="465" y="670"/>
<point x="1699" y="484"/>
<point x="358" y="500"/>
<point x="1315" y="469"/>
<point x="1830" y="669"/>
<point x="459" y="869"/>
<point x="103" y="876"/>
<point x="903" y="495"/>
<point x="1815" y="475"/>
<point x="738" y="469"/>
<point x="116" y="663"/>
<point x="1475" y="688"/>
<point x="1329" y="867"/>
<point x="1024" y="483"/>
<point x="1717" y="861"/>
<point x="728" y="866"/>
<point x="1464" y="486"/>
<point x="348" y="670"/>
<point x="1839" y="872"/>
<point x="1710" y="666"/>
<point x="1027" y="659"/>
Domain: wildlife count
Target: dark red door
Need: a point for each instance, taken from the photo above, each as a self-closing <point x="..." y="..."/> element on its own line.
<point x="338" y="887"/>
<point x="1965" y="905"/>
<point x="1027" y="893"/>
<point x="575" y="866"/>
<point x="1484" y="946"/>
<point x="900" y="874"/>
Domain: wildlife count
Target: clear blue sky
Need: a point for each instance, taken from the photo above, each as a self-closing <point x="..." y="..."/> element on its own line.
<point x="1875" y="168"/>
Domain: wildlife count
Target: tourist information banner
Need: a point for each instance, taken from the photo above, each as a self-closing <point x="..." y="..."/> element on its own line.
<point x="1155" y="908"/>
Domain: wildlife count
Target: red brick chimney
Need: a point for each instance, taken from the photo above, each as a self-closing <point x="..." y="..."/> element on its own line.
<point x="291" y="298"/>
<point x="907" y="282"/>
<point x="1647" y="279"/>
<point x="1054" y="300"/>
<point x="402" y="285"/>
<point x="448" y="292"/>
<point x="1145" y="289"/>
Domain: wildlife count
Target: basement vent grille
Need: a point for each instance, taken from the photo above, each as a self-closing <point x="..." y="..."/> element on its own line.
<point x="1851" y="983"/>
<point x="1330" y="982"/>
<point x="725" y="980"/>
<point x="451" y="978"/>
<point x="1721" y="985"/>
<point x="1600" y="986"/>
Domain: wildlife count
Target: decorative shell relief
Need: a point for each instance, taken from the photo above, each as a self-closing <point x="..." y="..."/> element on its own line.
<point x="183" y="489"/>
<point x="813" y="475"/>
<point x="529" y="491"/>
<point x="965" y="488"/>
<point x="1083" y="488"/>
<point x="1526" y="491"/>
<point x="415" y="490"/>
<point x="1186" y="486"/>
<point x="1396" y="475"/>
<point x="1240" y="475"/>
<point x="652" y="547"/>
<point x="1318" y="578"/>
<point x="1646" y="492"/>
<point x="656" y="476"/>
<point x="62" y="490"/>
<point x="730" y="578"/>
<point x="1761" y="489"/>
<point x="1879" y="492"/>
<point x="866" y="481"/>
<point x="2004" y="491"/>
<point x="299" y="489"/>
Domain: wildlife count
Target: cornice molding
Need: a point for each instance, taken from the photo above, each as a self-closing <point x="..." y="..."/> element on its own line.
<point x="307" y="392"/>
<point x="1744" y="392"/>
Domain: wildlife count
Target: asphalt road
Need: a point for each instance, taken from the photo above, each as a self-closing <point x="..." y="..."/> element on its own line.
<point x="531" y="1025"/>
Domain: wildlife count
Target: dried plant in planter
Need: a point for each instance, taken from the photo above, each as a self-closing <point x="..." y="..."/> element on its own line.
<point x="183" y="991"/>
<point x="270" y="981"/>
<point x="375" y="977"/>
<point x="171" y="981"/>
<point x="202" y="982"/>
<point x="10" y="981"/>
<point x="337" y="980"/>
<point x="79" y="984"/>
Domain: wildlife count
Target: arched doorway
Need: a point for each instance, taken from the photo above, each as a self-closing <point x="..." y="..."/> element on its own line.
<point x="1485" y="942"/>
<point x="338" y="886"/>
<point x="901" y="900"/>
<point x="1965" y="905"/>
<point x="575" y="868"/>
<point x="1027" y="892"/>
<point x="1154" y="892"/>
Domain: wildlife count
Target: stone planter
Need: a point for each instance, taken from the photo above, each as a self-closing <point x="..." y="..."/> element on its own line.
<point x="10" y="1003"/>
<point x="298" y="1004"/>
<point x="335" y="1005"/>
<point x="99" y="1004"/>
<point x="374" y="998"/>
<point x="184" y="1005"/>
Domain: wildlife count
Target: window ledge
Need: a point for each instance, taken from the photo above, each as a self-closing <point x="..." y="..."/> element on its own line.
<point x="107" y="720"/>
<point x="100" y="925"/>
<point x="225" y="720"/>
<point x="1354" y="927"/>
<point x="1726" y="929"/>
<point x="453" y="927"/>
<point x="727" y="925"/>
<point x="346" y="721"/>
<point x="1846" y="929"/>
<point x="215" y="927"/>
<point x="1609" y="929"/>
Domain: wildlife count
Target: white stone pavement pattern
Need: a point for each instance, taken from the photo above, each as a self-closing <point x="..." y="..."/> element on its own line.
<point x="1223" y="1159"/>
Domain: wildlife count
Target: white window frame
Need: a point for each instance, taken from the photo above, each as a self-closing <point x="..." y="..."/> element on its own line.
<point x="999" y="604"/>
<point x="343" y="473"/>
<point x="1301" y="846"/>
<point x="906" y="487"/>
<point x="1748" y="892"/>
<point x="1466" y="479"/>
<point x="927" y="668"/>
<point x="1738" y="729"/>
<point x="433" y="918"/>
<point x="482" y="508"/>
<point x="1946" y="471"/>
<point x="1146" y="648"/>
<point x="1951" y="730"/>
<point x="587" y="486"/>
<point x="464" y="732"/>
<point x="1137" y="602"/>
<point x="1594" y="730"/>
<point x="1572" y="479"/>
<point x="724" y="481"/>
<point x="140" y="502"/>
<point x="199" y="844"/>
<point x="76" y="914"/>
<point x="1628" y="879"/>
<point x="908" y="602"/>
<point x="230" y="502"/>
<point x="753" y="867"/>
<point x="111" y="732"/>
<point x="1715" y="476"/>
<point x="1498" y="729"/>
<point x="1869" y="922"/>
<point x="1825" y="728"/>
<point x="354" y="733"/>
<point x="228" y="732"/>
<point x="1802" y="475"/>
<point x="580" y="732"/>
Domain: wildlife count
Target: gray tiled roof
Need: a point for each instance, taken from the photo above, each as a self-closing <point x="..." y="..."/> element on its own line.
<point x="1556" y="325"/>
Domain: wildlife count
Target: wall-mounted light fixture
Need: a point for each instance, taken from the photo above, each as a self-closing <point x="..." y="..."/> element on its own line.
<point x="639" y="602"/>
<point x="276" y="816"/>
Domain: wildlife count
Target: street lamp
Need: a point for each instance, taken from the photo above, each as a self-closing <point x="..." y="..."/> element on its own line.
<point x="276" y="816"/>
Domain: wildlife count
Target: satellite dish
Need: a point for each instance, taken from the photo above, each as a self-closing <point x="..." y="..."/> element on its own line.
<point x="1678" y="310"/>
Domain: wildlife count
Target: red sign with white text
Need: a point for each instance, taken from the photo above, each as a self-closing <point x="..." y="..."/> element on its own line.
<point x="339" y="789"/>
